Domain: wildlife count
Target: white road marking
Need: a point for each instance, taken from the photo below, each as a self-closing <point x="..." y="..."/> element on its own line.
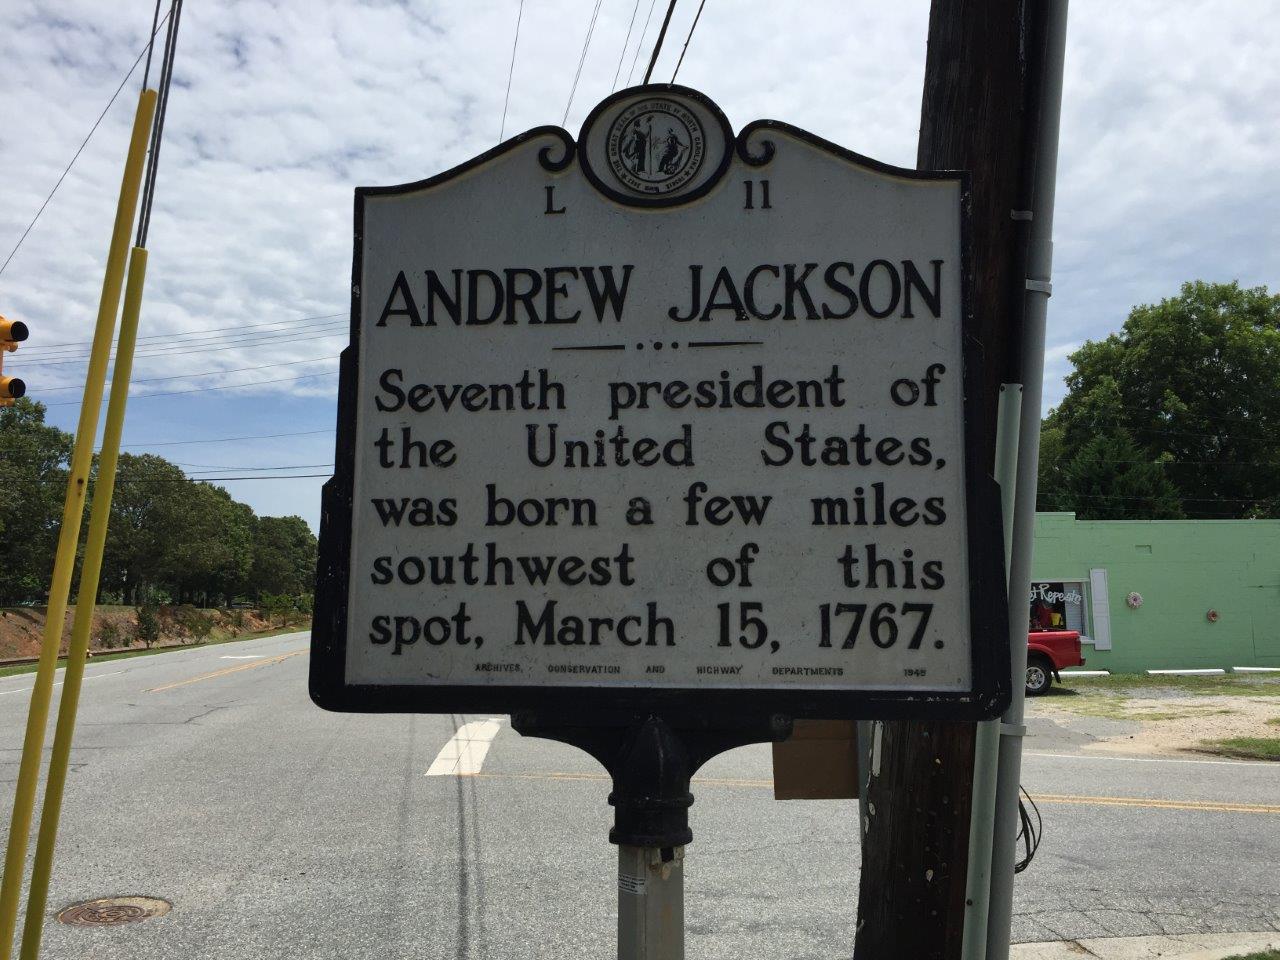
<point x="58" y="683"/>
<point x="242" y="656"/>
<point x="464" y="754"/>
<point x="1257" y="764"/>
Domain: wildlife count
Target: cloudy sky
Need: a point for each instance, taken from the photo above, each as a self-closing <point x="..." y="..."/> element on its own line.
<point x="1169" y="146"/>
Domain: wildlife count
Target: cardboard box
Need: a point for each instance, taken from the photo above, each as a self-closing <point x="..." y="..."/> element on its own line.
<point x="819" y="762"/>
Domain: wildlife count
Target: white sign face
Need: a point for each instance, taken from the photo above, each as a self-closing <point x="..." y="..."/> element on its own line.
<point x="665" y="411"/>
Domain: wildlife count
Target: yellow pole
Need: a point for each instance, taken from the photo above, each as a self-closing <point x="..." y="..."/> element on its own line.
<point x="99" y="516"/>
<point x="72" y="515"/>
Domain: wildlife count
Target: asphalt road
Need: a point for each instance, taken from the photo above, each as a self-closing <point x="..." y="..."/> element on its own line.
<point x="207" y="777"/>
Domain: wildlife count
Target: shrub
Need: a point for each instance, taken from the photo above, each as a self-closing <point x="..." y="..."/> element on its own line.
<point x="193" y="623"/>
<point x="278" y="607"/>
<point x="148" y="620"/>
<point x="110" y="633"/>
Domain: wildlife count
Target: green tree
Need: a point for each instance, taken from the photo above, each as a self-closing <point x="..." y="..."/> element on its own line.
<point x="209" y="558"/>
<point x="284" y="557"/>
<point x="1191" y="384"/>
<point x="1108" y="479"/>
<point x="34" y="459"/>
<point x="147" y="513"/>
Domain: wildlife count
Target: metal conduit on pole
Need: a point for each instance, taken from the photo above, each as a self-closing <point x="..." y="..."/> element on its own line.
<point x="987" y="743"/>
<point x="1038" y="289"/>
<point x="72" y="516"/>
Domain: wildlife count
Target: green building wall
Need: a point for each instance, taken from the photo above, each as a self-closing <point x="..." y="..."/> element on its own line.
<point x="1182" y="569"/>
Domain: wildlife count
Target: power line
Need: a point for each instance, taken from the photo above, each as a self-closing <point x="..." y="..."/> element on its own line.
<point x="258" y="436"/>
<point x="151" y="44"/>
<point x="209" y="440"/>
<point x="662" y="34"/>
<point x="211" y="373"/>
<point x="640" y="45"/>
<point x="145" y="51"/>
<point x="586" y="45"/>
<point x="153" y="160"/>
<point x="220" y="331"/>
<point x="230" y="386"/>
<point x="625" y="43"/>
<point x="234" y="343"/>
<point x="511" y="71"/>
<point x="1068" y="495"/>
<point x="206" y="337"/>
<point x="1202" y="463"/>
<point x="685" y="48"/>
<point x="160" y="481"/>
<point x="224" y="467"/>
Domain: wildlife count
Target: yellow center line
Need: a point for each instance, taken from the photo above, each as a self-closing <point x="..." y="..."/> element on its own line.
<point x="1201" y="806"/>
<point x="222" y="673"/>
<point x="1210" y="805"/>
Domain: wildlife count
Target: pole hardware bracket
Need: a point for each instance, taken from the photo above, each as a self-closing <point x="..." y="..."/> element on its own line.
<point x="1013" y="729"/>
<point x="1021" y="215"/>
<point x="1040" y="286"/>
<point x="651" y="759"/>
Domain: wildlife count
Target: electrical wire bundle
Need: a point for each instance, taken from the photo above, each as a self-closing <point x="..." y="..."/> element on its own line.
<point x="1029" y="833"/>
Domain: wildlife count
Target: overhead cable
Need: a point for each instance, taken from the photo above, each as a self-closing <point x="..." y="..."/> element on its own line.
<point x="230" y="386"/>
<point x="253" y="436"/>
<point x="231" y="344"/>
<point x="685" y="48"/>
<point x="151" y="44"/>
<point x="80" y="149"/>
<point x="625" y="43"/>
<point x="586" y="45"/>
<point x="640" y="45"/>
<point x="662" y="35"/>
<point x="153" y="159"/>
<point x="511" y="71"/>
<point x="222" y="330"/>
<point x="211" y="373"/>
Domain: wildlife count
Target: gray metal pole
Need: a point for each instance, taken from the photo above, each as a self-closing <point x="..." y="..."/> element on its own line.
<point x="650" y="903"/>
<point x="1039" y="273"/>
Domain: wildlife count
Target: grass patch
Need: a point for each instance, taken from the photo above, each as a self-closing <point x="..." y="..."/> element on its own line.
<point x="1264" y="955"/>
<point x="1110" y="697"/>
<point x="130" y="654"/>
<point x="1226" y="685"/>
<point x="1274" y="722"/>
<point x="1187" y="714"/>
<point x="1248" y="748"/>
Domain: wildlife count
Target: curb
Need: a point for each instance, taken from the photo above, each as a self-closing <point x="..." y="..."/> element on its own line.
<point x="23" y="661"/>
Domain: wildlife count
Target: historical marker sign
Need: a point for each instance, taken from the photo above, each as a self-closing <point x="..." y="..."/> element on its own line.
<point x="661" y="419"/>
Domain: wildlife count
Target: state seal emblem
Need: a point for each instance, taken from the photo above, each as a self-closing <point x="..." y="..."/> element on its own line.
<point x="655" y="146"/>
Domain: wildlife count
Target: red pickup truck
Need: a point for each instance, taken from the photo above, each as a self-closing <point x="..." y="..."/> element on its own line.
<point x="1049" y="651"/>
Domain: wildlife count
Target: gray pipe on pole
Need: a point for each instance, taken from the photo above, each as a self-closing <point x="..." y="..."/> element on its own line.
<point x="1039" y="273"/>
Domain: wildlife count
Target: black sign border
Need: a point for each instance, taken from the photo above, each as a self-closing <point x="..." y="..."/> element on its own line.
<point x="695" y="706"/>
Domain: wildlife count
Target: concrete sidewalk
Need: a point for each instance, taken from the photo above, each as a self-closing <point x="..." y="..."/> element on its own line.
<point x="1192" y="946"/>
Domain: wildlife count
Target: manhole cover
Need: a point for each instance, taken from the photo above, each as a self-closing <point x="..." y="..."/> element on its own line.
<point x="113" y="910"/>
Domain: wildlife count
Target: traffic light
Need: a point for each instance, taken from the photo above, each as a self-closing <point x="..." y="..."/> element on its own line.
<point x="12" y="333"/>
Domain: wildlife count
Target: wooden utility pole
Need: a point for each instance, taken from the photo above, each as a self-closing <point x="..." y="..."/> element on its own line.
<point x="973" y="117"/>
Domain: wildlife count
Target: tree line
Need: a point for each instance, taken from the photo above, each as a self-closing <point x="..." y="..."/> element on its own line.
<point x="1176" y="416"/>
<point x="171" y="539"/>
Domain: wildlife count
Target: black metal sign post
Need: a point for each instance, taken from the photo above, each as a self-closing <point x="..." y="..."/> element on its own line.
<point x="651" y="764"/>
<point x="657" y="439"/>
